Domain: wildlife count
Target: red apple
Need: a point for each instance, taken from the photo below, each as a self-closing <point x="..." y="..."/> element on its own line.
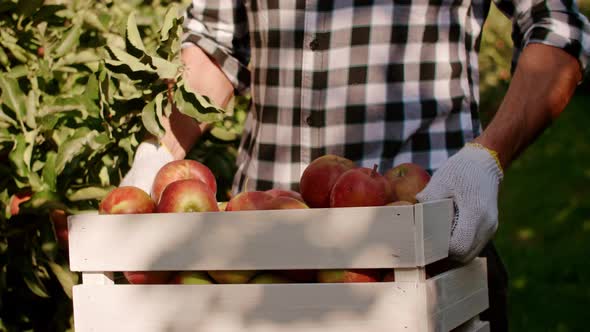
<point x="390" y="276"/>
<point x="151" y="277"/>
<point x="126" y="200"/>
<point x="191" y="278"/>
<point x="286" y="193"/>
<point x="132" y="200"/>
<point x="182" y="170"/>
<point x="407" y="180"/>
<point x="232" y="276"/>
<point x="359" y="187"/>
<point x="17" y="199"/>
<point x="261" y="200"/>
<point x="270" y="278"/>
<point x="59" y="219"/>
<point x="319" y="177"/>
<point x="284" y="203"/>
<point x="249" y="200"/>
<point x="187" y="196"/>
<point x="352" y="275"/>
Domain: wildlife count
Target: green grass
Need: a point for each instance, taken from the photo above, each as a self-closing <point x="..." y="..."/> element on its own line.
<point x="544" y="234"/>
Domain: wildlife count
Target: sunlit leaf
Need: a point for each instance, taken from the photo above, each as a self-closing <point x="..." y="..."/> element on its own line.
<point x="89" y="193"/>
<point x="13" y="96"/>
<point x="133" y="41"/>
<point x="70" y="40"/>
<point x="150" y="116"/>
<point x="66" y="278"/>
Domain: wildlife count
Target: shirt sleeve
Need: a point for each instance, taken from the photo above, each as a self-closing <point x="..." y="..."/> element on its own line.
<point x="557" y="23"/>
<point x="220" y="29"/>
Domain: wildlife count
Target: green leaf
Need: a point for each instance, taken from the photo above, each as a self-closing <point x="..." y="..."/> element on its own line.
<point x="78" y="144"/>
<point x="34" y="283"/>
<point x="133" y="41"/>
<point x="70" y="41"/>
<point x="16" y="156"/>
<point x="13" y="96"/>
<point x="165" y="68"/>
<point x="89" y="193"/>
<point x="43" y="200"/>
<point x="224" y="134"/>
<point x="31" y="109"/>
<point x="134" y="70"/>
<point x="49" y="174"/>
<point x="3" y="57"/>
<point x="151" y="114"/>
<point x="169" y="33"/>
<point x="196" y="106"/>
<point x="66" y="278"/>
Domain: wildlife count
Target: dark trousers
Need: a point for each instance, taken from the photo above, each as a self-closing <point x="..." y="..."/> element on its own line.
<point x="497" y="313"/>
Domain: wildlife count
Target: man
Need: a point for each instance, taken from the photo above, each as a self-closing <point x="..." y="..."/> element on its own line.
<point x="380" y="82"/>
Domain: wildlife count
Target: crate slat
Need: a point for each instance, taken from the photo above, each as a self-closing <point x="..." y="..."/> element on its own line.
<point x="367" y="307"/>
<point x="377" y="237"/>
<point x="457" y="294"/>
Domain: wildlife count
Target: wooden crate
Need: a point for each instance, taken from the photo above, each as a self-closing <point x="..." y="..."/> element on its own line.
<point x="405" y="238"/>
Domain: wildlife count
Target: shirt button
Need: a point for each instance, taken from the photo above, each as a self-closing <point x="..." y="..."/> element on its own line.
<point x="309" y="121"/>
<point x="314" y="44"/>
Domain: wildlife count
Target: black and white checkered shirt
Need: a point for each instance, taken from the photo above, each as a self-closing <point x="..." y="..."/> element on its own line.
<point x="379" y="82"/>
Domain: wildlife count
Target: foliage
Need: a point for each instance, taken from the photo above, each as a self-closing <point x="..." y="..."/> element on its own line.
<point x="81" y="83"/>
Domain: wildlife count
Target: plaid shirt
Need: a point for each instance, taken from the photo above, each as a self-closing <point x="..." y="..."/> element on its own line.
<point x="379" y="82"/>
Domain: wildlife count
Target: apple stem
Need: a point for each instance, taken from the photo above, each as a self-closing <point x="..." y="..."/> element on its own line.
<point x="374" y="172"/>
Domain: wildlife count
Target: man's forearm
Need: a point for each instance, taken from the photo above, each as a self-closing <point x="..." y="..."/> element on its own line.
<point x="204" y="76"/>
<point x="543" y="83"/>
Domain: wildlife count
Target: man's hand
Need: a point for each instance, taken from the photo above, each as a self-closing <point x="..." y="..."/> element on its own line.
<point x="182" y="132"/>
<point x="150" y="156"/>
<point x="471" y="178"/>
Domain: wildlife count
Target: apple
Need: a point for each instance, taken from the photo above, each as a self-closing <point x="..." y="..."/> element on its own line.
<point x="182" y="170"/>
<point x="407" y="180"/>
<point x="390" y="276"/>
<point x="191" y="278"/>
<point x="189" y="195"/>
<point x="126" y="200"/>
<point x="319" y="177"/>
<point x="232" y="276"/>
<point x="276" y="192"/>
<point x="346" y="275"/>
<point x="17" y="199"/>
<point x="249" y="200"/>
<point x="145" y="277"/>
<point x="269" y="278"/>
<point x="132" y="200"/>
<point x="262" y="200"/>
<point x="59" y="219"/>
<point x="360" y="186"/>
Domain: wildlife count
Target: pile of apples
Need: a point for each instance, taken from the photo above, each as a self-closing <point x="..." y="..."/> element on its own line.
<point x="329" y="181"/>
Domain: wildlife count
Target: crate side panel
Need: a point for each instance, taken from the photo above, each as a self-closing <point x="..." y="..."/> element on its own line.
<point x="257" y="308"/>
<point x="379" y="237"/>
<point x="434" y="220"/>
<point x="457" y="295"/>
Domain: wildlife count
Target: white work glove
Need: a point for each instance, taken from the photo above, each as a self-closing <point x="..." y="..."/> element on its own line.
<point x="150" y="156"/>
<point x="471" y="178"/>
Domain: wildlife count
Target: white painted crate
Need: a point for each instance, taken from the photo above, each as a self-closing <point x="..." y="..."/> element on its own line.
<point x="402" y="237"/>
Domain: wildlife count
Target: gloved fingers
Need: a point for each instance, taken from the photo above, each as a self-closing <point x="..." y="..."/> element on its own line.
<point x="434" y="190"/>
<point x="470" y="232"/>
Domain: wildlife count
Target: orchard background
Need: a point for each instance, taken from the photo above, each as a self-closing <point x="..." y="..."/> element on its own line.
<point x="82" y="81"/>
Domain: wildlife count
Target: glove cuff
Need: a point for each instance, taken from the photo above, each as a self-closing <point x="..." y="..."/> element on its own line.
<point x="486" y="158"/>
<point x="153" y="150"/>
